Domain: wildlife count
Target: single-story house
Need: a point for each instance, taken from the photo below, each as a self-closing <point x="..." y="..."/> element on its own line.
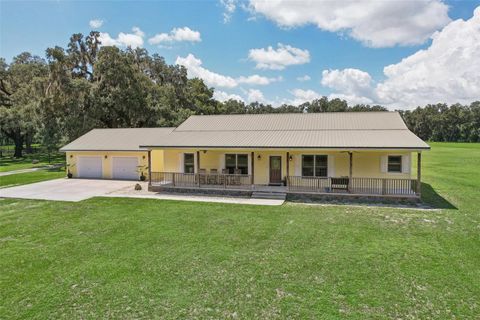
<point x="368" y="153"/>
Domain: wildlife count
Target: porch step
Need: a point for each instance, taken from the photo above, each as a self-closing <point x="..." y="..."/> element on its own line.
<point x="269" y="195"/>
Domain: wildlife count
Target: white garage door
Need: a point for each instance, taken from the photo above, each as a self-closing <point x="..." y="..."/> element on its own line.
<point x="125" y="168"/>
<point x="89" y="167"/>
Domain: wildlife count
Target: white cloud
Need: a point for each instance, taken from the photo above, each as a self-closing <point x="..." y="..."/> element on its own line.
<point x="278" y="59"/>
<point x="229" y="6"/>
<point x="134" y="39"/>
<point x="224" y="96"/>
<point x="374" y="23"/>
<point x="95" y="23"/>
<point x="304" y="78"/>
<point x="302" y="96"/>
<point x="447" y="71"/>
<point x="195" y="69"/>
<point x="355" y="85"/>
<point x="255" y="95"/>
<point x="258" y="80"/>
<point x="184" y="34"/>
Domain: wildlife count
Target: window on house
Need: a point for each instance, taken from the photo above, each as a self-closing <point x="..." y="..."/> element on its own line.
<point x="236" y="161"/>
<point x="188" y="163"/>
<point x="314" y="166"/>
<point x="394" y="163"/>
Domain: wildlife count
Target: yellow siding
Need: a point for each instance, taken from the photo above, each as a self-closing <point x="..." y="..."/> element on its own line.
<point x="106" y="162"/>
<point x="365" y="163"/>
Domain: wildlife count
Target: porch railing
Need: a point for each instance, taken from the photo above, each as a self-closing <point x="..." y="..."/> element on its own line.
<point x="370" y="186"/>
<point x="199" y="180"/>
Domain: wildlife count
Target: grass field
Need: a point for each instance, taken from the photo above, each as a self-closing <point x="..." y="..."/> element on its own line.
<point x="31" y="177"/>
<point x="10" y="163"/>
<point x="138" y="258"/>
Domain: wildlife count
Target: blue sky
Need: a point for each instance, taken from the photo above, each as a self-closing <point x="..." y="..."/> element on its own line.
<point x="343" y="54"/>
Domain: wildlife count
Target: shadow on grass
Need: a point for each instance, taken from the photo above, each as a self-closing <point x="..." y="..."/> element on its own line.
<point x="431" y="197"/>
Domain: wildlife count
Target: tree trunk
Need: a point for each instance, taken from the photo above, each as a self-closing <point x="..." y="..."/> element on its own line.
<point x="18" y="139"/>
<point x="28" y="143"/>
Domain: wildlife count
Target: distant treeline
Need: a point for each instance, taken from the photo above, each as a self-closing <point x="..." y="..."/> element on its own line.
<point x="54" y="100"/>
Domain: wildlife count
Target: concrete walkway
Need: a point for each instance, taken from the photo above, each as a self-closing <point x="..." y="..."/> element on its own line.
<point x="196" y="198"/>
<point x="129" y="192"/>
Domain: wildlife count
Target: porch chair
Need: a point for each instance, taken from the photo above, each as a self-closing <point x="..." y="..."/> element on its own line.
<point x="213" y="176"/>
<point x="202" y="176"/>
<point x="236" y="178"/>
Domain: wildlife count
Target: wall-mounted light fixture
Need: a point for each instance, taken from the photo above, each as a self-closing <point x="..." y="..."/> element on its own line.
<point x="259" y="157"/>
<point x="106" y="156"/>
<point x="290" y="157"/>
<point x="71" y="156"/>
<point x="143" y="157"/>
<point x="204" y="151"/>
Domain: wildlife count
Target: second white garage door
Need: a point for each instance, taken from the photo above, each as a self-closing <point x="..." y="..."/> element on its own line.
<point x="125" y="168"/>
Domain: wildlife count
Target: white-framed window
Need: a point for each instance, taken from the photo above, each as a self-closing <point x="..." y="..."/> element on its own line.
<point x="189" y="163"/>
<point x="236" y="161"/>
<point x="314" y="165"/>
<point x="394" y="164"/>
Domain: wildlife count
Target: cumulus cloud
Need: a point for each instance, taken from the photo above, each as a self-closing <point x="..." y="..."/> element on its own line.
<point x="355" y="85"/>
<point x="95" y="23"/>
<point x="255" y="95"/>
<point x="302" y="96"/>
<point x="195" y="69"/>
<point x="279" y="58"/>
<point x="447" y="71"/>
<point x="184" y="34"/>
<point x="374" y="23"/>
<point x="304" y="78"/>
<point x="224" y="96"/>
<point x="134" y="39"/>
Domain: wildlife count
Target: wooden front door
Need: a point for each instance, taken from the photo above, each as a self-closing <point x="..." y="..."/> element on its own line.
<point x="275" y="169"/>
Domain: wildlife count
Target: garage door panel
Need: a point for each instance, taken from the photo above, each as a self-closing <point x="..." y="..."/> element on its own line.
<point x="125" y="168"/>
<point x="90" y="167"/>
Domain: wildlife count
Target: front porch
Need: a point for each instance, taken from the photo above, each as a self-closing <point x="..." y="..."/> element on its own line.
<point x="242" y="184"/>
<point x="377" y="173"/>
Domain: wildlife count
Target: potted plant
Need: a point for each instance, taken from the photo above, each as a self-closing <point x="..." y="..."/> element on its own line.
<point x="141" y="170"/>
<point x="69" y="174"/>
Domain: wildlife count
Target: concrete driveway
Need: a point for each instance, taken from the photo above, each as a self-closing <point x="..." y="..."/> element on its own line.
<point x="66" y="189"/>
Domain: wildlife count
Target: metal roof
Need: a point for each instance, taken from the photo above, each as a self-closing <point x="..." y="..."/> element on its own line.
<point x="295" y="122"/>
<point x="335" y="130"/>
<point x="117" y="139"/>
<point x="355" y="130"/>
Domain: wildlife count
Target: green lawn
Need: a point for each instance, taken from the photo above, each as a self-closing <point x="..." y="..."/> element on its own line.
<point x="31" y="177"/>
<point x="138" y="258"/>
<point x="10" y="163"/>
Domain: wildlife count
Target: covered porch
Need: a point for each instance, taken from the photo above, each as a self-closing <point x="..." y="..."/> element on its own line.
<point x="334" y="172"/>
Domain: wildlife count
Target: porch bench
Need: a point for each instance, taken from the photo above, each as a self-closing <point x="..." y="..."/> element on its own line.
<point x="340" y="184"/>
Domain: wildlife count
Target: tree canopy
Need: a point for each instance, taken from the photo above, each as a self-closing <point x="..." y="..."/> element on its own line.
<point x="85" y="86"/>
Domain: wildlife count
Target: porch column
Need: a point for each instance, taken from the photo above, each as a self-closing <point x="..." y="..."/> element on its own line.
<point x="149" y="167"/>
<point x="198" y="161"/>
<point x="419" y="173"/>
<point x="350" y="171"/>
<point x="288" y="167"/>
<point x="252" y="160"/>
